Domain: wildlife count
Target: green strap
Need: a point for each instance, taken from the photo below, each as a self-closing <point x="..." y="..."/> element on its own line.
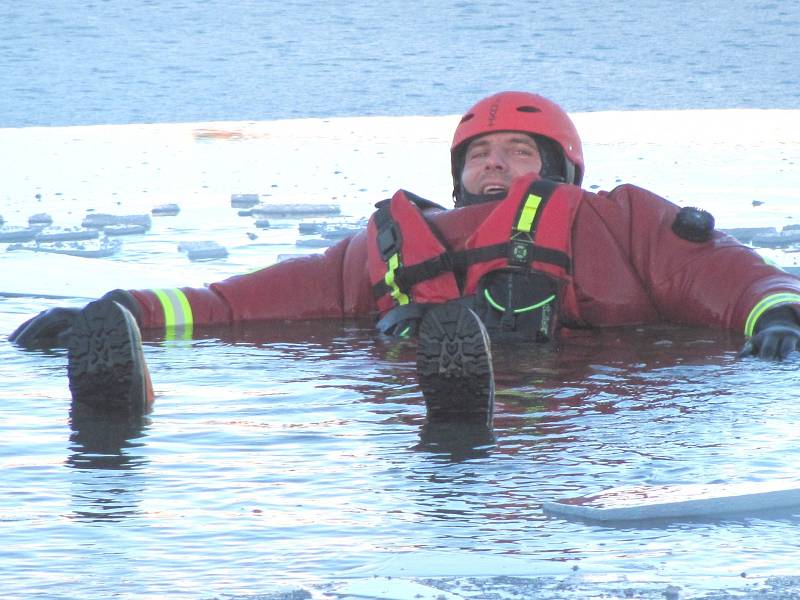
<point x="177" y="312"/>
<point x="517" y="311"/>
<point x="764" y="305"/>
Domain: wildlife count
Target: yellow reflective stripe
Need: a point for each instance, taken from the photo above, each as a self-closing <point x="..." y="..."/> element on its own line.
<point x="176" y="307"/>
<point x="764" y="305"/>
<point x="528" y="214"/>
<point x="392" y="265"/>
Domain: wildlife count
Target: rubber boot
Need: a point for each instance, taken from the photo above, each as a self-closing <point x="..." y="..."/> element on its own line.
<point x="454" y="365"/>
<point x="106" y="367"/>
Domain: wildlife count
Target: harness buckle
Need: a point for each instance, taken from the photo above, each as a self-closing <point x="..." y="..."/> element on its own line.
<point x="446" y="262"/>
<point x="520" y="250"/>
<point x="388" y="241"/>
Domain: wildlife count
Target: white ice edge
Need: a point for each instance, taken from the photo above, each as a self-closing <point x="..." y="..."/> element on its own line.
<point x="722" y="159"/>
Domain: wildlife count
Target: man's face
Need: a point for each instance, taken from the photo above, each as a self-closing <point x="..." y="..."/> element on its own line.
<point x="494" y="160"/>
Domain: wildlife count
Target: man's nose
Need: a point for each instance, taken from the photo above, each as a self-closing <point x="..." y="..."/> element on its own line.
<point x="495" y="160"/>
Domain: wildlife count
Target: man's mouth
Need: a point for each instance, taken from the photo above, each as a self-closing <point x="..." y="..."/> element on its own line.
<point x="494" y="188"/>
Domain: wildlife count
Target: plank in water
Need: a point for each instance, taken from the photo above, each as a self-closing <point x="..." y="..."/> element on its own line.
<point x="678" y="501"/>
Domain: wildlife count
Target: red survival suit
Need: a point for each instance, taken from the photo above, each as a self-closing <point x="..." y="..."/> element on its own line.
<point x="625" y="266"/>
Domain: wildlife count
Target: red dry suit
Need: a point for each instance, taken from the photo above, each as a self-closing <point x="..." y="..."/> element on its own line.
<point x="626" y="267"/>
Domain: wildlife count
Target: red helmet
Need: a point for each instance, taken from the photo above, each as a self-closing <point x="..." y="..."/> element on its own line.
<point x="519" y="111"/>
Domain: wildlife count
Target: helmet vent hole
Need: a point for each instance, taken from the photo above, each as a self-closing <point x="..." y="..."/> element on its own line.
<point x="528" y="109"/>
<point x="467" y="117"/>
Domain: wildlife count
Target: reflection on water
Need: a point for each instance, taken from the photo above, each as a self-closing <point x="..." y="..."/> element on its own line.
<point x="457" y="441"/>
<point x="103" y="441"/>
<point x="302" y="449"/>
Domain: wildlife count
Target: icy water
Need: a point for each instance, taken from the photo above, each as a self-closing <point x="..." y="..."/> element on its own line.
<point x="120" y="61"/>
<point x="295" y="454"/>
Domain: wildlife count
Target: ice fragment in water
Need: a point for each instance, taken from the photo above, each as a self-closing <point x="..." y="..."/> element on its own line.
<point x="19" y="234"/>
<point x="203" y="250"/>
<point x="244" y="200"/>
<point x="296" y="210"/>
<point x="40" y="219"/>
<point x="166" y="210"/>
<point x="106" y="220"/>
<point x="67" y="235"/>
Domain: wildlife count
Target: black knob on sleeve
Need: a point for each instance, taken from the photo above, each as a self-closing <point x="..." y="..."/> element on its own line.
<point x="693" y="224"/>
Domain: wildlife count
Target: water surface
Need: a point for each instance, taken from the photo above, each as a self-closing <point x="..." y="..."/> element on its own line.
<point x="118" y="61"/>
<point x="294" y="452"/>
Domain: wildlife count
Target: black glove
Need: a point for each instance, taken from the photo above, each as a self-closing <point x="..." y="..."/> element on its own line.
<point x="777" y="334"/>
<point x="45" y="330"/>
<point x="50" y="328"/>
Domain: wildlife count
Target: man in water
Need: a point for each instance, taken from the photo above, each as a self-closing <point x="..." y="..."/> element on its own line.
<point x="526" y="255"/>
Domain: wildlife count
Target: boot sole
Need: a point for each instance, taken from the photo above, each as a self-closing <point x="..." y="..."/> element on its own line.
<point x="454" y="365"/>
<point x="106" y="366"/>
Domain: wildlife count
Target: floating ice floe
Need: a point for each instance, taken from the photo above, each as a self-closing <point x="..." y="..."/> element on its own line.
<point x="166" y="210"/>
<point x="244" y="200"/>
<point x="101" y="220"/>
<point x="203" y="250"/>
<point x="783" y="239"/>
<point x="106" y="247"/>
<point x="40" y="219"/>
<point x="746" y="234"/>
<point x="310" y="228"/>
<point x="18" y="234"/>
<point x="767" y="237"/>
<point x="337" y="232"/>
<point x="296" y="210"/>
<point x="325" y="233"/>
<point x="262" y="223"/>
<point x="66" y="235"/>
<point x="332" y="230"/>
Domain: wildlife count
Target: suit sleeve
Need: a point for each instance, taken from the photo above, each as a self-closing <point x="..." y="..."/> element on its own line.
<point x="334" y="284"/>
<point x="719" y="283"/>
